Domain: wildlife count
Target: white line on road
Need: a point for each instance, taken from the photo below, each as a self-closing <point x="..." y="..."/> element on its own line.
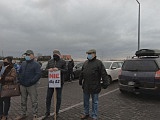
<point x="81" y="103"/>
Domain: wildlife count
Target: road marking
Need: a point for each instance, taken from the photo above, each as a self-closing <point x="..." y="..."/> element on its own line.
<point x="108" y="92"/>
<point x="81" y="103"/>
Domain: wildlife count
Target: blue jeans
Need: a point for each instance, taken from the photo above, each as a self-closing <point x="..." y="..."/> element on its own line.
<point x="86" y="97"/>
<point x="49" y="98"/>
<point x="4" y="105"/>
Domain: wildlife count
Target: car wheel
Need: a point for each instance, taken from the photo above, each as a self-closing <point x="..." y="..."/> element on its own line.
<point x="74" y="77"/>
<point x="109" y="80"/>
<point x="122" y="91"/>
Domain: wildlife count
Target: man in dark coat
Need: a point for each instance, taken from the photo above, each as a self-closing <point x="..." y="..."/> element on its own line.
<point x="93" y="71"/>
<point x="55" y="64"/>
<point x="70" y="70"/>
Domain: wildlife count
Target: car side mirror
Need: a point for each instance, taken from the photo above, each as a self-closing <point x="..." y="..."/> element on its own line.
<point x="113" y="68"/>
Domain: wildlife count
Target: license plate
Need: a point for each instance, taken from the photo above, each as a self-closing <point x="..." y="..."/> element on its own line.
<point x="130" y="83"/>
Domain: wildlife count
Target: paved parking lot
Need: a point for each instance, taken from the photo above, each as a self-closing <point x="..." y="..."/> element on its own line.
<point x="112" y="104"/>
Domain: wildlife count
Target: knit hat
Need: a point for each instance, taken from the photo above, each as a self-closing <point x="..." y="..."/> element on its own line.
<point x="56" y="52"/>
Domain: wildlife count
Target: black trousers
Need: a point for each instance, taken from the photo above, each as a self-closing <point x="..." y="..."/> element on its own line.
<point x="4" y="105"/>
<point x="50" y="92"/>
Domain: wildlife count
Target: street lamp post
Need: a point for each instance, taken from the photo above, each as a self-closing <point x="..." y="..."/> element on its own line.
<point x="138" y="25"/>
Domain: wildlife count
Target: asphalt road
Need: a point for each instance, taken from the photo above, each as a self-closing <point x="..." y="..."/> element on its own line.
<point x="113" y="105"/>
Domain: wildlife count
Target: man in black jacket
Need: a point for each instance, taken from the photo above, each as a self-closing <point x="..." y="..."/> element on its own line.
<point x="53" y="65"/>
<point x="70" y="70"/>
<point x="92" y="72"/>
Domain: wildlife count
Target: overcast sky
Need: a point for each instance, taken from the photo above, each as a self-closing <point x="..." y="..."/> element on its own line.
<point x="74" y="26"/>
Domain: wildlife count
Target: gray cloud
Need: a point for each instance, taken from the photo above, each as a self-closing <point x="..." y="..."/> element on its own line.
<point x="73" y="26"/>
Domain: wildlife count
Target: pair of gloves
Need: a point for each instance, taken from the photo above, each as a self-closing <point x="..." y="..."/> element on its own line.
<point x="104" y="85"/>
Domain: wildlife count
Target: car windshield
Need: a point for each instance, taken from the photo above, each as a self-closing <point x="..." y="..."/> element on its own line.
<point x="75" y="63"/>
<point x="139" y="65"/>
<point x="107" y="64"/>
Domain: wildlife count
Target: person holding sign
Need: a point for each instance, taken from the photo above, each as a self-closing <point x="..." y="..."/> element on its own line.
<point x="93" y="71"/>
<point x="57" y="70"/>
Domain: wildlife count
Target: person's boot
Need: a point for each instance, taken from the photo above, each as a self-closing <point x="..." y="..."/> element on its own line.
<point x="35" y="117"/>
<point x="1" y="117"/>
<point x="46" y="116"/>
<point x="21" y="117"/>
<point x="4" y="118"/>
<point x="83" y="117"/>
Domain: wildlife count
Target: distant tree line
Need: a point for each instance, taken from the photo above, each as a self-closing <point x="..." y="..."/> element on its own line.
<point x="39" y="58"/>
<point x="43" y="58"/>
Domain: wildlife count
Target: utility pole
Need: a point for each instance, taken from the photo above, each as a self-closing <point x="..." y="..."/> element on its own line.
<point x="138" y="25"/>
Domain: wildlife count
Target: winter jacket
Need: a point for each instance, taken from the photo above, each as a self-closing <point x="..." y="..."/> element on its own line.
<point x="91" y="74"/>
<point x="29" y="73"/>
<point x="9" y="75"/>
<point x="60" y="64"/>
<point x="70" y="65"/>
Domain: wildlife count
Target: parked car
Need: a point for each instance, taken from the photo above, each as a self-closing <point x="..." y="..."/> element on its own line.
<point x="44" y="71"/>
<point x="141" y="74"/>
<point x="1" y="63"/>
<point x="77" y="69"/>
<point x="113" y="69"/>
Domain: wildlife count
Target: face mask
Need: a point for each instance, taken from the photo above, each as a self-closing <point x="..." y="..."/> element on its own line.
<point x="89" y="57"/>
<point x="5" y="63"/>
<point x="56" y="57"/>
<point x="27" y="58"/>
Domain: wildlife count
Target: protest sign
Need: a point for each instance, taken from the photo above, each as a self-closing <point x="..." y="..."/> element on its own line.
<point x="54" y="79"/>
<point x="54" y="82"/>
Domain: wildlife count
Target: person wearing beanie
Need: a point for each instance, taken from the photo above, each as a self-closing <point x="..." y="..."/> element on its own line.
<point x="55" y="64"/>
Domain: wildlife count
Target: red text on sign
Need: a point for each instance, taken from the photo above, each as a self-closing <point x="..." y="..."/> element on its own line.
<point x="53" y="75"/>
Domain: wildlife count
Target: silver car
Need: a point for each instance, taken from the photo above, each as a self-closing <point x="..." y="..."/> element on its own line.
<point x="113" y="69"/>
<point x="77" y="69"/>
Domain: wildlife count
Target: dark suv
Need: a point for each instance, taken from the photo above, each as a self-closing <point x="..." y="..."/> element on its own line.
<point x="141" y="74"/>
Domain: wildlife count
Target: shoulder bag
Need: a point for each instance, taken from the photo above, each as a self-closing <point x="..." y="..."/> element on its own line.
<point x="10" y="90"/>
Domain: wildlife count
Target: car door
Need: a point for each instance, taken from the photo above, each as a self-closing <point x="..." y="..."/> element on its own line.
<point x="114" y="70"/>
<point x="77" y="69"/>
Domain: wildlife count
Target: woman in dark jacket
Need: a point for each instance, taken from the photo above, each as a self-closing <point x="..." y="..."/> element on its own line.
<point x="7" y="76"/>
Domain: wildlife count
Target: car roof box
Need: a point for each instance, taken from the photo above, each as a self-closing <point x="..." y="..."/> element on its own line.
<point x="148" y="52"/>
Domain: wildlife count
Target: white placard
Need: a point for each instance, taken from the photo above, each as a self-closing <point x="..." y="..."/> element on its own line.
<point x="54" y="79"/>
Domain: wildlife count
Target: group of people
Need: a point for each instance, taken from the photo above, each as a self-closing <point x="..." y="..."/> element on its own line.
<point x="28" y="75"/>
<point x="93" y="77"/>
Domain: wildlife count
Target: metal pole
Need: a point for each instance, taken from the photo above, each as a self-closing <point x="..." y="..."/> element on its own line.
<point x="55" y="104"/>
<point x="138" y="25"/>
